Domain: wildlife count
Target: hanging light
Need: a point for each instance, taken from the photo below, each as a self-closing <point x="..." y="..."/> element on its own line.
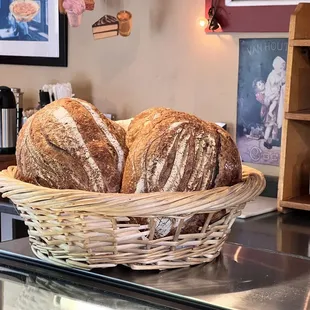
<point x="203" y="22"/>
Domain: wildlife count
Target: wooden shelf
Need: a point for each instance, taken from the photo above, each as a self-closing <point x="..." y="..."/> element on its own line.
<point x="301" y="203"/>
<point x="295" y="148"/>
<point x="300" y="43"/>
<point x="303" y="115"/>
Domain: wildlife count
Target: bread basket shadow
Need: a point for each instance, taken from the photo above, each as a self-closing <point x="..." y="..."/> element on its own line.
<point x="90" y="230"/>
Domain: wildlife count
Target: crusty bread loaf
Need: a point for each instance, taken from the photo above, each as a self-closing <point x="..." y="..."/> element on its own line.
<point x="145" y="120"/>
<point x="70" y="144"/>
<point x="179" y="152"/>
<point x="175" y="151"/>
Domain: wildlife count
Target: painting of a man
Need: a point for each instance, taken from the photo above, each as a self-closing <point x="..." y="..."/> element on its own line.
<point x="273" y="99"/>
<point x="261" y="90"/>
<point x="17" y="29"/>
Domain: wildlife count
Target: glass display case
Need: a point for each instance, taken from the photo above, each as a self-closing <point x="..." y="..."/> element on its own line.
<point x="23" y="290"/>
<point x="241" y="279"/>
<point x="23" y="287"/>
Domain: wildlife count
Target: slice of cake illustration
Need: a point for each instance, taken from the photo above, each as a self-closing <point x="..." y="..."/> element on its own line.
<point x="106" y="27"/>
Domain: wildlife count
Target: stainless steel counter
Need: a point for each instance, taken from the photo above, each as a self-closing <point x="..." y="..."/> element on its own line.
<point x="242" y="279"/>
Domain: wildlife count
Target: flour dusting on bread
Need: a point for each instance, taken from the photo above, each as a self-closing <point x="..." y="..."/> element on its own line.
<point x="70" y="144"/>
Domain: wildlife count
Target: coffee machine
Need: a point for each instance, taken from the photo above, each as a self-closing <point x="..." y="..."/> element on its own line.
<point x="19" y="107"/>
<point x="8" y="121"/>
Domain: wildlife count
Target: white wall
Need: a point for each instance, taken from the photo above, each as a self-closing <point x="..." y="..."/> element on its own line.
<point x="167" y="61"/>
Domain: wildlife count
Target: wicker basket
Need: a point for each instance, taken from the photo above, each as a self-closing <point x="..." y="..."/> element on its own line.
<point x="92" y="230"/>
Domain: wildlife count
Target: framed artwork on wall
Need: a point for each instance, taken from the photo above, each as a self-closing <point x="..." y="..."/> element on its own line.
<point x="263" y="2"/>
<point x="252" y="15"/>
<point x="260" y="101"/>
<point x="32" y="32"/>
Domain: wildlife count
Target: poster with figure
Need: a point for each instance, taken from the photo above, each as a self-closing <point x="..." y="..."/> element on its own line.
<point x="24" y="20"/>
<point x="261" y="89"/>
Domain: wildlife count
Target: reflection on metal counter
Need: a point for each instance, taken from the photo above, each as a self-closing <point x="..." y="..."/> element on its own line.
<point x="241" y="279"/>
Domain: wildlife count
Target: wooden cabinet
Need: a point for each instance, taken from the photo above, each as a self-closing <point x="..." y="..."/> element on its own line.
<point x="295" y="153"/>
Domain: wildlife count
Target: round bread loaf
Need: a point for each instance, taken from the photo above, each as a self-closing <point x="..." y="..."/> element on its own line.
<point x="145" y="120"/>
<point x="179" y="152"/>
<point x="175" y="151"/>
<point x="69" y="144"/>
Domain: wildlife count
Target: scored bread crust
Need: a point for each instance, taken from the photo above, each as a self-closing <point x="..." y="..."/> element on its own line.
<point x="143" y="121"/>
<point x="176" y="151"/>
<point x="179" y="152"/>
<point x="69" y="144"/>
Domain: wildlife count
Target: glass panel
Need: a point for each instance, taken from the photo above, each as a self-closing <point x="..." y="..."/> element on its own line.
<point x="22" y="291"/>
<point x="241" y="278"/>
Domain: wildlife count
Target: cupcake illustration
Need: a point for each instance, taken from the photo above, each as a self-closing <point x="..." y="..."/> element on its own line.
<point x="24" y="10"/>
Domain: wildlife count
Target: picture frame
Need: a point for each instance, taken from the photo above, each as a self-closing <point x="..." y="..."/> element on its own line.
<point x="262" y="2"/>
<point x="237" y="17"/>
<point x="46" y="43"/>
<point x="260" y="99"/>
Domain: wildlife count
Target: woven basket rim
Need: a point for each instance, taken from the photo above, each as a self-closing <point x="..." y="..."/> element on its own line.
<point x="89" y="230"/>
<point x="117" y="204"/>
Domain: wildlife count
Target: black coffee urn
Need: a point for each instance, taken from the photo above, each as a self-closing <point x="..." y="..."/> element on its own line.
<point x="8" y="121"/>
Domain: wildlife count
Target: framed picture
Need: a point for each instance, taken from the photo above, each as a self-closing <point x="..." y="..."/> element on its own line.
<point x="32" y="32"/>
<point x="263" y="2"/>
<point x="261" y="91"/>
<point x="245" y="16"/>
